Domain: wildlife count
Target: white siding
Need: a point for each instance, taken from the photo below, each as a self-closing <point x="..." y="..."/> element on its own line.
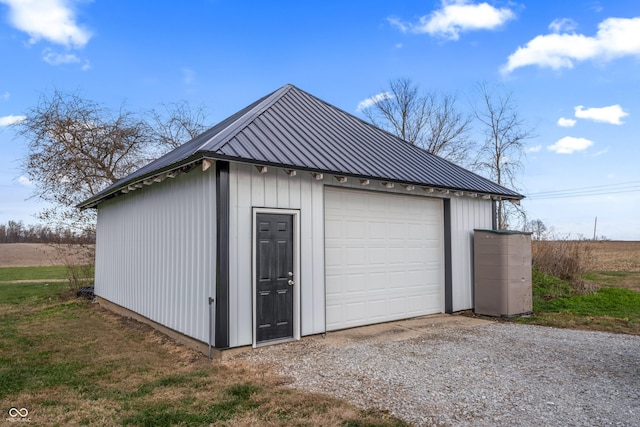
<point x="466" y="215"/>
<point x="274" y="189"/>
<point x="155" y="251"/>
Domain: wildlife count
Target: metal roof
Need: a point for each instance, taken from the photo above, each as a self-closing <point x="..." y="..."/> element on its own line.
<point x="292" y="129"/>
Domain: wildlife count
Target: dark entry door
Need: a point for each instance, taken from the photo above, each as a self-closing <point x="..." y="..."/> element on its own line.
<point x="274" y="277"/>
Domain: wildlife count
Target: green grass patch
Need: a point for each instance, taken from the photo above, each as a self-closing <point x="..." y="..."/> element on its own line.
<point x="547" y="287"/>
<point x="611" y="302"/>
<point x="54" y="272"/>
<point x="238" y="400"/>
<point x="31" y="293"/>
<point x="555" y="303"/>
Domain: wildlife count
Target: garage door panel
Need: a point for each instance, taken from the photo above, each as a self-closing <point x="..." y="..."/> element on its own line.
<point x="389" y="262"/>
<point x="356" y="283"/>
<point x="333" y="257"/>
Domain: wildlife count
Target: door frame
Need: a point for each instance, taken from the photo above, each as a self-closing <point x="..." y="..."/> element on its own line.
<point x="295" y="213"/>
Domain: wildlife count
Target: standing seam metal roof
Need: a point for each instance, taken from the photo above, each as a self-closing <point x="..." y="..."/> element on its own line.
<point x="292" y="129"/>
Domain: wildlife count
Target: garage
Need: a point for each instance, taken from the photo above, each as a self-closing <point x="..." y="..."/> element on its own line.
<point x="383" y="257"/>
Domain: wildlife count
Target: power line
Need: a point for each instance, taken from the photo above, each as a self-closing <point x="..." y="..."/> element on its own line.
<point x="584" y="188"/>
<point x="596" y="190"/>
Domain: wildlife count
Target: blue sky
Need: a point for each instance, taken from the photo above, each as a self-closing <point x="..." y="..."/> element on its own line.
<point x="573" y="68"/>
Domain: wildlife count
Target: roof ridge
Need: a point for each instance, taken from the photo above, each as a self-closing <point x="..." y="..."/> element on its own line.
<point x="233" y="129"/>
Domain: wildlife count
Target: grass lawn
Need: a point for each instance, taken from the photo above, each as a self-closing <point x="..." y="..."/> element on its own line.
<point x="53" y="272"/>
<point x="613" y="307"/>
<point x="69" y="362"/>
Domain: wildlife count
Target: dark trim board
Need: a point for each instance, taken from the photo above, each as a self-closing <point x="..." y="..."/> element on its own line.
<point x="222" y="255"/>
<point x="448" y="277"/>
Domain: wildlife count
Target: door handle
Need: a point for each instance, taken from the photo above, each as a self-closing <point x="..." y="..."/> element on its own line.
<point x="291" y="282"/>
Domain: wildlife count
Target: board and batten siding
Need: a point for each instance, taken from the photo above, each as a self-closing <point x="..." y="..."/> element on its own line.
<point x="155" y="251"/>
<point x="250" y="188"/>
<point x="466" y="215"/>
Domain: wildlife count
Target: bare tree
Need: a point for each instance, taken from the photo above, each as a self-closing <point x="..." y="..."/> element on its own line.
<point x="538" y="229"/>
<point x="77" y="147"/>
<point x="174" y="123"/>
<point x="500" y="156"/>
<point x="428" y="120"/>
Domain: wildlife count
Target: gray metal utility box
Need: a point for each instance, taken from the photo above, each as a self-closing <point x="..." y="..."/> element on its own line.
<point x="502" y="273"/>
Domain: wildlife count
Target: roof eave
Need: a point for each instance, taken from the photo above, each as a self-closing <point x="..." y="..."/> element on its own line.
<point x="111" y="192"/>
<point x="217" y="156"/>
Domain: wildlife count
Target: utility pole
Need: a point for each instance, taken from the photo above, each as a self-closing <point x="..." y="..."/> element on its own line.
<point x="595" y="224"/>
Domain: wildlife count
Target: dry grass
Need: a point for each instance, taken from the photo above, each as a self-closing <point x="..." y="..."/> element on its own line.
<point x="590" y="264"/>
<point x="565" y="259"/>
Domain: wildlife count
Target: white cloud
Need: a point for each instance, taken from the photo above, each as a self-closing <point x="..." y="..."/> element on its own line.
<point x="566" y="123"/>
<point x="52" y="20"/>
<point x="534" y="149"/>
<point x="10" y="120"/>
<point x="25" y="181"/>
<point x="55" y="58"/>
<point x="570" y="144"/>
<point x="398" y="23"/>
<point x="563" y="25"/>
<point x="616" y="38"/>
<point x="611" y="114"/>
<point x="601" y="152"/>
<point x="363" y="105"/>
<point x="457" y="16"/>
<point x="5" y="96"/>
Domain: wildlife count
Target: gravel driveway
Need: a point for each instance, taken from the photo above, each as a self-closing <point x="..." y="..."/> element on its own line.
<point x="461" y="371"/>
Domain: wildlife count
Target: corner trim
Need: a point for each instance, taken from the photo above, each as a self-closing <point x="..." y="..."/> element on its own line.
<point x="448" y="276"/>
<point x="222" y="256"/>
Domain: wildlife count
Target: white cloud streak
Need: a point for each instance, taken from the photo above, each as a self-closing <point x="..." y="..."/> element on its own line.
<point x="566" y="123"/>
<point x="534" y="149"/>
<point x="54" y="58"/>
<point x="457" y="16"/>
<point x="569" y="145"/>
<point x="369" y="102"/>
<point x="615" y="38"/>
<point x="5" y="96"/>
<point x="51" y="20"/>
<point x="563" y="25"/>
<point x="612" y="114"/>
<point x="10" y="120"/>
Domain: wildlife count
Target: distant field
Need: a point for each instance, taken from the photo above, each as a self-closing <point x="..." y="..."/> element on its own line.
<point x="616" y="256"/>
<point x="609" y="255"/>
<point x="40" y="254"/>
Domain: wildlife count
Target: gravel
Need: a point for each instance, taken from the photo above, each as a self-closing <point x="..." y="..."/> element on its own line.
<point x="498" y="374"/>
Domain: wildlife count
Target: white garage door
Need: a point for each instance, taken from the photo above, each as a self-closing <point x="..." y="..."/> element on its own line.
<point x="383" y="255"/>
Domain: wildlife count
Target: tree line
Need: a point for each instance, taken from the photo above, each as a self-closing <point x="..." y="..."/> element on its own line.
<point x="18" y="232"/>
